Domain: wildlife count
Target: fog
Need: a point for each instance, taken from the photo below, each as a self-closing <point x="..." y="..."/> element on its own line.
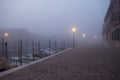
<point x="54" y="17"/>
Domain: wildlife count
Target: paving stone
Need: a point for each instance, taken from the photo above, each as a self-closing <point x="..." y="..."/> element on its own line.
<point x="88" y="63"/>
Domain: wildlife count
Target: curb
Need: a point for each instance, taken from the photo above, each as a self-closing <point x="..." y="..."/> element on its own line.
<point x="29" y="64"/>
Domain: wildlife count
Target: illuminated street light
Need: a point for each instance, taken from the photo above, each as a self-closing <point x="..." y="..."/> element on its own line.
<point x="4" y="45"/>
<point x="83" y="35"/>
<point x="6" y="34"/>
<point x="73" y="30"/>
<point x="95" y="37"/>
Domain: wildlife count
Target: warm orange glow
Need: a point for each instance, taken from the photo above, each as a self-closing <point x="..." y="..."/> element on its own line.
<point x="74" y="29"/>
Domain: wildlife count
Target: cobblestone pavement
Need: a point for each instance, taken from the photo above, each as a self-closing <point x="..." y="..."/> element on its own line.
<point x="95" y="63"/>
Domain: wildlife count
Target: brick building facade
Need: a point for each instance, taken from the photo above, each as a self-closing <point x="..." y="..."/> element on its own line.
<point x="111" y="27"/>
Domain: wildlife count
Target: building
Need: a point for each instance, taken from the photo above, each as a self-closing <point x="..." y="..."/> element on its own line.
<point x="111" y="27"/>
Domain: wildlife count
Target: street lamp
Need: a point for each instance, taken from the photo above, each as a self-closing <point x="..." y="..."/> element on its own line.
<point x="83" y="35"/>
<point x="73" y="30"/>
<point x="5" y="34"/>
<point x="95" y="37"/>
<point x="4" y="45"/>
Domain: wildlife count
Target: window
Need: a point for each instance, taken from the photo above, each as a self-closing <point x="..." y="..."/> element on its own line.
<point x="112" y="36"/>
<point x="119" y="33"/>
<point x="117" y="30"/>
<point x="115" y="35"/>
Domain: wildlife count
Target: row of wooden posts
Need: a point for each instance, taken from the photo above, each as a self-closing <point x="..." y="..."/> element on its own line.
<point x="20" y="46"/>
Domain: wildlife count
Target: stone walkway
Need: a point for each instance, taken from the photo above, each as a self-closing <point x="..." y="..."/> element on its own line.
<point x="95" y="63"/>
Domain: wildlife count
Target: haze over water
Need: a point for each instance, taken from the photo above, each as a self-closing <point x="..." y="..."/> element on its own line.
<point x="54" y="17"/>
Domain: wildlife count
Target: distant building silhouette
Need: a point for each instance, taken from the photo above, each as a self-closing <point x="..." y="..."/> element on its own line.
<point x="111" y="27"/>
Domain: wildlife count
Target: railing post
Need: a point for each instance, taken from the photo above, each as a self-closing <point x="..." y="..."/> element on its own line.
<point x="6" y="50"/>
<point x="39" y="49"/>
<point x="33" y="49"/>
<point x="49" y="46"/>
<point x="21" y="52"/>
<point x="3" y="51"/>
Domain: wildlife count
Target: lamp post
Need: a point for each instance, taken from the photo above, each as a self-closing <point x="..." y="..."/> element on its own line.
<point x="6" y="34"/>
<point x="3" y="47"/>
<point x="73" y="30"/>
<point x="95" y="37"/>
<point x="4" y="44"/>
<point x="84" y="39"/>
<point x="83" y="35"/>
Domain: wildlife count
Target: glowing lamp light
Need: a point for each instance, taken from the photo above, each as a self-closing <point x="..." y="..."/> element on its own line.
<point x="74" y="29"/>
<point x="6" y="34"/>
<point x="95" y="37"/>
<point x="83" y="35"/>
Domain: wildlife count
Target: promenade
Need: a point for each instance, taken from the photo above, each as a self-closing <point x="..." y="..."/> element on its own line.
<point x="88" y="63"/>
